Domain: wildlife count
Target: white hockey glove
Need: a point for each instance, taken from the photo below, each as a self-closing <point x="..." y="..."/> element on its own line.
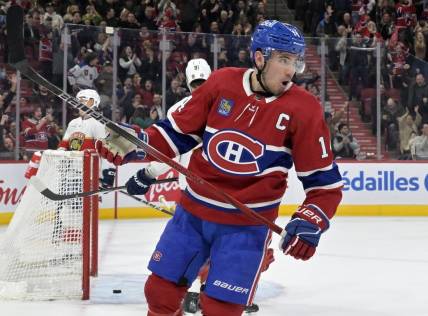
<point x="119" y="150"/>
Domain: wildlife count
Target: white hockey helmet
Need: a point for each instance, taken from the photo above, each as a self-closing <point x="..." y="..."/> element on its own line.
<point x="197" y="69"/>
<point x="88" y="94"/>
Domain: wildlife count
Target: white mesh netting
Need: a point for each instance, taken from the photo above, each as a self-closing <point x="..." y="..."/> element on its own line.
<point x="41" y="250"/>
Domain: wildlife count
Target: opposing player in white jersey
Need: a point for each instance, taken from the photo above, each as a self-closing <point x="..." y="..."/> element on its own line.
<point x="82" y="132"/>
<point x="197" y="72"/>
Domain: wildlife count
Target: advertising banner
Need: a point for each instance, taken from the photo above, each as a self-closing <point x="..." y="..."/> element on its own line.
<point x="367" y="186"/>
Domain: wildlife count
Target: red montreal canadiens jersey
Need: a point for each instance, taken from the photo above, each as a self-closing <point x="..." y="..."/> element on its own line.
<point x="249" y="143"/>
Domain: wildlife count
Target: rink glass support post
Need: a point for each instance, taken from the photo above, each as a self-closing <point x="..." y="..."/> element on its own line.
<point x="378" y="105"/>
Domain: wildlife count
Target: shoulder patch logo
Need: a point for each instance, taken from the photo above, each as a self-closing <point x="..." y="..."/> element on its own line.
<point x="225" y="107"/>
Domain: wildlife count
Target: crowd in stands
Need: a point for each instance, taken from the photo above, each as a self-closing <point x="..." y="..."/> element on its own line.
<point x="90" y="58"/>
<point x="189" y="27"/>
<point x="352" y="29"/>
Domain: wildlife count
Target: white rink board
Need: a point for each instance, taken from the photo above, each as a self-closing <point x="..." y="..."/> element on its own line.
<point x="365" y="184"/>
<point x="374" y="183"/>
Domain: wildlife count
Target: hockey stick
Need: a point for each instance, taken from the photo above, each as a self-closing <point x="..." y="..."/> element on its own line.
<point x="161" y="209"/>
<point x="15" y="38"/>
<point x="45" y="191"/>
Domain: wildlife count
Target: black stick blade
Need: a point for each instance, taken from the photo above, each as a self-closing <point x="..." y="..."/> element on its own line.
<point x="15" y="34"/>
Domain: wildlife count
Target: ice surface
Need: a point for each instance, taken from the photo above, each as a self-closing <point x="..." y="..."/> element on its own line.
<point x="375" y="266"/>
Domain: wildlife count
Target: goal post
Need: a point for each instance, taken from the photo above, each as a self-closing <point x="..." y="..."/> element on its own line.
<point x="50" y="248"/>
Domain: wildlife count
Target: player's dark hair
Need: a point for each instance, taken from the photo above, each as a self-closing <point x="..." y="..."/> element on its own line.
<point x="196" y="83"/>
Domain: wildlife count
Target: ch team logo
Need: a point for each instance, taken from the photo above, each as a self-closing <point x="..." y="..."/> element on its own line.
<point x="234" y="152"/>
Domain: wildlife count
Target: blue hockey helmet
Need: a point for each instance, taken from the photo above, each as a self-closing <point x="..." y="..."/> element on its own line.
<point x="273" y="35"/>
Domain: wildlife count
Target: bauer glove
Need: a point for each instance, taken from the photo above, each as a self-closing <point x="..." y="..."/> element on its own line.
<point x="301" y="235"/>
<point x="139" y="183"/>
<point x="118" y="150"/>
<point x="108" y="177"/>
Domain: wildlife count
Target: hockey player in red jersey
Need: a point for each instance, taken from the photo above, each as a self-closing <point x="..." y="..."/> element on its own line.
<point x="253" y="125"/>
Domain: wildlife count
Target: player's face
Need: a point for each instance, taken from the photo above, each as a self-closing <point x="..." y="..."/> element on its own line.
<point x="88" y="102"/>
<point x="279" y="71"/>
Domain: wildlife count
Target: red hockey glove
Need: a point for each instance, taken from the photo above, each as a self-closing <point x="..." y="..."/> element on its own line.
<point x="301" y="235"/>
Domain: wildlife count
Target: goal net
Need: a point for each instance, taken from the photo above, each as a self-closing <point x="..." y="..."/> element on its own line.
<point x="47" y="249"/>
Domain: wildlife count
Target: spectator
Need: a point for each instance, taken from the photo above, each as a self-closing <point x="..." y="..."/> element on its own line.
<point x="58" y="59"/>
<point x="389" y="122"/>
<point x="123" y="18"/>
<point x="7" y="97"/>
<point x="419" y="145"/>
<point x="144" y="117"/>
<point x="76" y="19"/>
<point x="147" y="93"/>
<point x="45" y="55"/>
<point x="110" y="18"/>
<point x="157" y="103"/>
<point x="43" y="98"/>
<point x="416" y="92"/>
<point x="126" y="99"/>
<point x="71" y="9"/>
<point x="315" y="14"/>
<point x="405" y="14"/>
<point x="358" y="62"/>
<point x="37" y="130"/>
<point x="31" y="34"/>
<point x="243" y="60"/>
<point x="136" y="83"/>
<point x="423" y="109"/>
<point x="129" y="63"/>
<point x="333" y="119"/>
<point x="407" y="126"/>
<point x="6" y="143"/>
<point x="225" y="23"/>
<point x="91" y="15"/>
<point x="327" y="27"/>
<point x="344" y="144"/>
<point x="386" y="28"/>
<point x="341" y="7"/>
<point x="132" y="21"/>
<point x="148" y="19"/>
<point x="82" y="76"/>
<point x="167" y="21"/>
<point x="151" y="66"/>
<point x="213" y="9"/>
<point x="371" y="35"/>
<point x="174" y="94"/>
<point x="342" y="49"/>
<point x="420" y="46"/>
<point x="104" y="86"/>
<point x="189" y="14"/>
<point x="55" y="17"/>
<point x="196" y="43"/>
<point x="176" y="63"/>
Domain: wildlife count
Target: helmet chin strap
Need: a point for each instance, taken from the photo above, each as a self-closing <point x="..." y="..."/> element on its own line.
<point x="260" y="77"/>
